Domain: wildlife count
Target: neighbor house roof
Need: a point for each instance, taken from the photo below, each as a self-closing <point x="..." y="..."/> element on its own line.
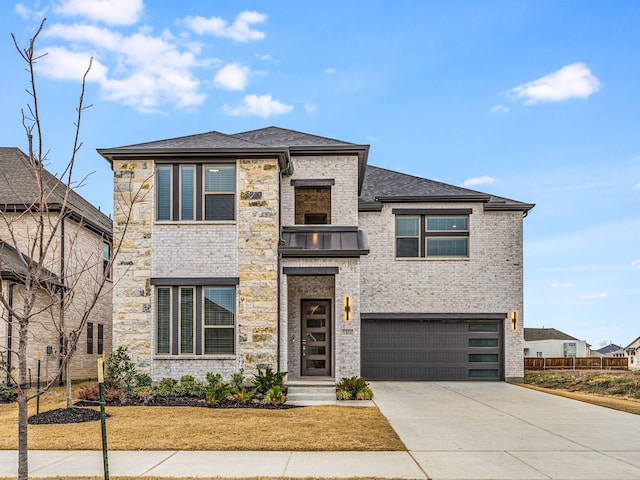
<point x="276" y="142"/>
<point x="12" y="266"/>
<point x="608" y="349"/>
<point x="534" y="334"/>
<point x="19" y="189"/>
<point x="382" y="186"/>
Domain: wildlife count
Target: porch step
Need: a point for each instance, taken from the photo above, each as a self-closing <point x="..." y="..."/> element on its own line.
<point x="306" y="392"/>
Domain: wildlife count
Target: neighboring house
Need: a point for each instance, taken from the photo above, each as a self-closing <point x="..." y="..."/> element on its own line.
<point x="632" y="351"/>
<point x="79" y="255"/>
<point x="611" y="350"/>
<point x="279" y="248"/>
<point x="549" y="342"/>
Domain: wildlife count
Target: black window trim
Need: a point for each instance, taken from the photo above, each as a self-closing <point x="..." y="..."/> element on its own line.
<point x="175" y="185"/>
<point x="424" y="234"/>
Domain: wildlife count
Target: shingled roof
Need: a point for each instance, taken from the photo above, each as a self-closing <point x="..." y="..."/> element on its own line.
<point x="534" y="334"/>
<point x="12" y="267"/>
<point x="19" y="188"/>
<point x="382" y="185"/>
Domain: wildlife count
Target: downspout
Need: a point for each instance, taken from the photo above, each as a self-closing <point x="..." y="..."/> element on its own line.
<point x="278" y="342"/>
<point x="9" y="331"/>
<point x="61" y="347"/>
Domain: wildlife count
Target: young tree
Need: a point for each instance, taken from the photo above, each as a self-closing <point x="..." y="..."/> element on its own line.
<point x="59" y="274"/>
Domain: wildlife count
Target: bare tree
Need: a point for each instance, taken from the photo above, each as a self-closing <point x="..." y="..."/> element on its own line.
<point x="59" y="273"/>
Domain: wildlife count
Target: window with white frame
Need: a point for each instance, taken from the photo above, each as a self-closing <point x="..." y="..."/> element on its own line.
<point x="427" y="233"/>
<point x="195" y="320"/>
<point x="187" y="192"/>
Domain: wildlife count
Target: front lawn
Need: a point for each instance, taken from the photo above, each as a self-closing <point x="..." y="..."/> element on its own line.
<point x="321" y="428"/>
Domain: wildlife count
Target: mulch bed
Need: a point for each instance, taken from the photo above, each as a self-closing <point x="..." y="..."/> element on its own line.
<point x="65" y="415"/>
<point x="173" y="401"/>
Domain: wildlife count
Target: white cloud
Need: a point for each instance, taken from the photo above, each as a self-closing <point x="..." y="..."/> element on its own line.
<point x="310" y="107"/>
<point x="330" y="71"/>
<point x="232" y="77"/>
<point x="499" y="109"/>
<point x="562" y="285"/>
<point x="97" y="36"/>
<point x="240" y="30"/>
<point x="595" y="296"/>
<point x="478" y="181"/>
<point x="571" y="81"/>
<point x="63" y="64"/>
<point x="259" y="105"/>
<point x="111" y="12"/>
<point x="28" y="13"/>
<point x="636" y="264"/>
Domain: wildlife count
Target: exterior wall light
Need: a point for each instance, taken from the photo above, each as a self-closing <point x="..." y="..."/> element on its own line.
<point x="513" y="318"/>
<point x="347" y="313"/>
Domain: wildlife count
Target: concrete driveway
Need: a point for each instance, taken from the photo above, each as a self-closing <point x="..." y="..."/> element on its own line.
<point x="477" y="430"/>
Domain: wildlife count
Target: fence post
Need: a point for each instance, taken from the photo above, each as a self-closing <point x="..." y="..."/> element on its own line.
<point x="105" y="459"/>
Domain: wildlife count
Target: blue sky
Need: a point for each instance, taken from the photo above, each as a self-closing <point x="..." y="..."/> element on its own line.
<point x="531" y="100"/>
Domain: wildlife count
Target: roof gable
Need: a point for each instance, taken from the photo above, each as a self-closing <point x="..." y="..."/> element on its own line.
<point x="19" y="188"/>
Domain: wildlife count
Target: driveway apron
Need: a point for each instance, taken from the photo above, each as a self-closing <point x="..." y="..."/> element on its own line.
<point x="492" y="430"/>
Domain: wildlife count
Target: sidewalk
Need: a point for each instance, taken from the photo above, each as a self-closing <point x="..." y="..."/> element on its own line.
<point x="50" y="463"/>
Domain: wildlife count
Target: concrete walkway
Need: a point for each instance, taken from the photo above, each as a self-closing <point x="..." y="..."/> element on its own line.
<point x="454" y="431"/>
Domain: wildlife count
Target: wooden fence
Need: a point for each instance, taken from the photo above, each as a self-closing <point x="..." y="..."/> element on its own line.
<point x="576" y="363"/>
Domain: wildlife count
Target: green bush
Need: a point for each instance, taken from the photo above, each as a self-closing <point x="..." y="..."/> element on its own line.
<point x="7" y="393"/>
<point x="275" y="396"/>
<point x="265" y="381"/>
<point x="213" y="379"/>
<point x="354" y="388"/>
<point x="143" y="380"/>
<point x="167" y="387"/>
<point x="189" y="387"/>
<point x="215" y="393"/>
<point x="237" y="380"/>
<point x="121" y="372"/>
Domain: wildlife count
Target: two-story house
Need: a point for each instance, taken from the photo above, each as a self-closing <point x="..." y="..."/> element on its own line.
<point x="77" y="239"/>
<point x="279" y="248"/>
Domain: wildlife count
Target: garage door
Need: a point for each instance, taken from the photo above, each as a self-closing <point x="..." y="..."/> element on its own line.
<point x="431" y="350"/>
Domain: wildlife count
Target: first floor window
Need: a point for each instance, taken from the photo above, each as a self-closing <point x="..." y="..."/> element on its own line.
<point x="195" y="320"/>
<point x="100" y="338"/>
<point x="89" y="338"/>
<point x="426" y="235"/>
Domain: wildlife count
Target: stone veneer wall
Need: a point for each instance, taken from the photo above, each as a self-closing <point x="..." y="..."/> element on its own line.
<point x="132" y="319"/>
<point x="258" y="237"/>
<point x="489" y="281"/>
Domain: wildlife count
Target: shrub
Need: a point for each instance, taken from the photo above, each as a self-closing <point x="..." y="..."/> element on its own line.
<point x="265" y="381"/>
<point x="237" y="380"/>
<point x="352" y="388"/>
<point x="7" y="393"/>
<point x="145" y="392"/>
<point x="275" y="396"/>
<point x="243" y="395"/>
<point x="92" y="394"/>
<point x="213" y="379"/>
<point x="189" y="387"/>
<point x="143" y="380"/>
<point x="215" y="393"/>
<point x="167" y="387"/>
<point x="121" y="372"/>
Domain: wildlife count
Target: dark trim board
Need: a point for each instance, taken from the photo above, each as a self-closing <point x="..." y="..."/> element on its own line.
<point x="195" y="281"/>
<point x="433" y="316"/>
<point x="431" y="211"/>
<point x="310" y="271"/>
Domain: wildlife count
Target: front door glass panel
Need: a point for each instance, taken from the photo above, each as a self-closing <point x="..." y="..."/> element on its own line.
<point x="316" y="329"/>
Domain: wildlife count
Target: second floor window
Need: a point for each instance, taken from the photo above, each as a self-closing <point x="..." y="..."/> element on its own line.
<point x="432" y="236"/>
<point x="195" y="192"/>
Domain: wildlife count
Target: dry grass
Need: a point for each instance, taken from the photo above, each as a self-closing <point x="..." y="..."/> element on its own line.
<point x="624" y="404"/>
<point x="210" y="478"/>
<point x="322" y="428"/>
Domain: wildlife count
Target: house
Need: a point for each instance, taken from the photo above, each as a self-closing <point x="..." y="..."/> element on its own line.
<point x="611" y="350"/>
<point x="79" y="255"/>
<point x="632" y="351"/>
<point x="279" y="248"/>
<point x="549" y="342"/>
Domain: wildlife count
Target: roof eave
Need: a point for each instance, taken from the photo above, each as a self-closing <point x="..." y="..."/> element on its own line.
<point x="433" y="198"/>
<point x="508" y="207"/>
<point x="282" y="154"/>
